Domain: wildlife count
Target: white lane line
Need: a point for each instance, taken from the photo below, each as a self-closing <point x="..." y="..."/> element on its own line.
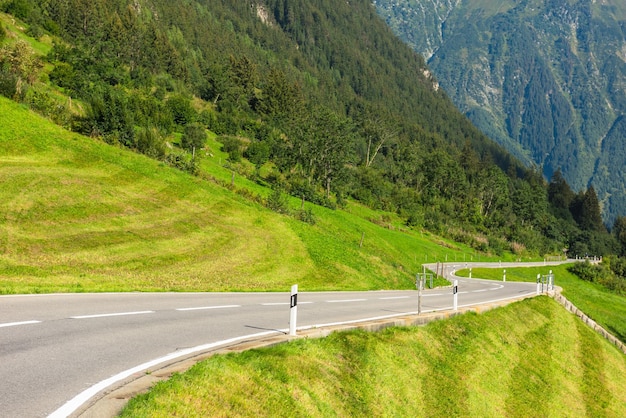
<point x="395" y="297"/>
<point x="284" y="303"/>
<point x="201" y="308"/>
<point x="111" y="314"/>
<point x="346" y="300"/>
<point x="481" y="290"/>
<point x="15" y="324"/>
<point x="433" y="294"/>
<point x="73" y="404"/>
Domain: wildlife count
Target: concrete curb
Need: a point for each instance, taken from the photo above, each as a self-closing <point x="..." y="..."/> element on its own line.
<point x="110" y="402"/>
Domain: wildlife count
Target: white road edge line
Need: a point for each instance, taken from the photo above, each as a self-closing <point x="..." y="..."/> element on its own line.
<point x="111" y="314"/>
<point x="200" y="308"/>
<point x="15" y="324"/>
<point x="73" y="404"/>
<point x="395" y="297"/>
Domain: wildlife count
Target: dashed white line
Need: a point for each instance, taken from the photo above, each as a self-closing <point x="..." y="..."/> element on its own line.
<point x="201" y="308"/>
<point x="111" y="314"/>
<point x="346" y="300"/>
<point x="15" y="324"/>
<point x="395" y="297"/>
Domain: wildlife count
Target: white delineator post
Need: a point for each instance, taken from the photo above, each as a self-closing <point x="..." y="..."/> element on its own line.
<point x="455" y="291"/>
<point x="539" y="284"/>
<point x="293" y="312"/>
<point x="504" y="276"/>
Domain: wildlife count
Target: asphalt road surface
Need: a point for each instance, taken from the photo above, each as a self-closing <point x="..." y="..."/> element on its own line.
<point x="55" y="349"/>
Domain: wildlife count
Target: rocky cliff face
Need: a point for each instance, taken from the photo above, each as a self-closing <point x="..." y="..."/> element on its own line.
<point x="545" y="78"/>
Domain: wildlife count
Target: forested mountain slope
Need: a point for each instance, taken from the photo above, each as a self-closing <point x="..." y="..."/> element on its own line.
<point x="318" y="95"/>
<point x="544" y="78"/>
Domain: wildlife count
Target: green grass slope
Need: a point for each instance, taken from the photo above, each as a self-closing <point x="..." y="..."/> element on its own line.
<point x="531" y="358"/>
<point x="79" y="215"/>
<point x="606" y="308"/>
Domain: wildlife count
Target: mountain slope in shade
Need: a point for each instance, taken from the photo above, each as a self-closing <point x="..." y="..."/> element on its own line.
<point x="546" y="79"/>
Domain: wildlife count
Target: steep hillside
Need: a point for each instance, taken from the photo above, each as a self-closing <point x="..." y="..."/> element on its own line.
<point x="78" y="215"/>
<point x="546" y="79"/>
<point x="314" y="98"/>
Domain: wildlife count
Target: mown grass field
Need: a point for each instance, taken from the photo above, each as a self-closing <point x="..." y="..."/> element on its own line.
<point x="606" y="308"/>
<point x="529" y="359"/>
<point x="77" y="215"/>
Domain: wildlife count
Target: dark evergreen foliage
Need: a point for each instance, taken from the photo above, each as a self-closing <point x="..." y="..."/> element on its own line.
<point x="321" y="89"/>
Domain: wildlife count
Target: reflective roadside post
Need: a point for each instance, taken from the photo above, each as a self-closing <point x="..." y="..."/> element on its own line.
<point x="293" y="312"/>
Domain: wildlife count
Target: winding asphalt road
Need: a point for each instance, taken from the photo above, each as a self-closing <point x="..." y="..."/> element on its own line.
<point x="56" y="351"/>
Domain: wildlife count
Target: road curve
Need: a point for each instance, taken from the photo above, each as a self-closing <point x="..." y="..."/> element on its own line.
<point x="57" y="350"/>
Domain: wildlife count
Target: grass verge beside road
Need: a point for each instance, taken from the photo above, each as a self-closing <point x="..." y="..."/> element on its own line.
<point x="604" y="307"/>
<point x="531" y="358"/>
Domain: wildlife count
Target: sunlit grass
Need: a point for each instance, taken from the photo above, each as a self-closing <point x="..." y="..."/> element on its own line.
<point x="78" y="215"/>
<point x="531" y="358"/>
<point x="606" y="308"/>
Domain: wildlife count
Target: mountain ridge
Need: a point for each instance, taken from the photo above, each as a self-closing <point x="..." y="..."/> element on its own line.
<point x="545" y="79"/>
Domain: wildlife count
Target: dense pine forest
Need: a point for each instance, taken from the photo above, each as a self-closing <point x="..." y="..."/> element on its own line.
<point x="318" y="95"/>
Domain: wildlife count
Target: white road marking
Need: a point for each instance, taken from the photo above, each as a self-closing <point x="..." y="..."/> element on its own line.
<point x="73" y="404"/>
<point x="395" y="297"/>
<point x="111" y="314"/>
<point x="201" y="308"/>
<point x="346" y="300"/>
<point x="284" y="303"/>
<point x="15" y="324"/>
<point x="432" y="294"/>
<point x="481" y="290"/>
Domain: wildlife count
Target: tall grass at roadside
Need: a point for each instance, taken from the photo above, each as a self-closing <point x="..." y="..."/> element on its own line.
<point x="531" y="358"/>
<point x="606" y="308"/>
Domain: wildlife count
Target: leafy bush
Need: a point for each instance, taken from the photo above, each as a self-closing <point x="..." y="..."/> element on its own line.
<point x="232" y="146"/>
<point x="149" y="142"/>
<point x="306" y="215"/>
<point x="194" y="136"/>
<point x="182" y="161"/>
<point x="587" y="271"/>
<point x="608" y="274"/>
<point x="278" y="202"/>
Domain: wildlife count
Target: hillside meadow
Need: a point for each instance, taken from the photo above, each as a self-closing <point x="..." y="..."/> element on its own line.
<point x="78" y="215"/>
<point x="530" y="358"/>
<point x="606" y="308"/>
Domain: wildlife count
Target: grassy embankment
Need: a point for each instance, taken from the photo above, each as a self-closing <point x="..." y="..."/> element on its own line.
<point x="531" y="358"/>
<point x="604" y="307"/>
<point x="78" y="215"/>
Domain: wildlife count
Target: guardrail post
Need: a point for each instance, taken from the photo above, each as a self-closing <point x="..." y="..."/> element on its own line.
<point x="293" y="312"/>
